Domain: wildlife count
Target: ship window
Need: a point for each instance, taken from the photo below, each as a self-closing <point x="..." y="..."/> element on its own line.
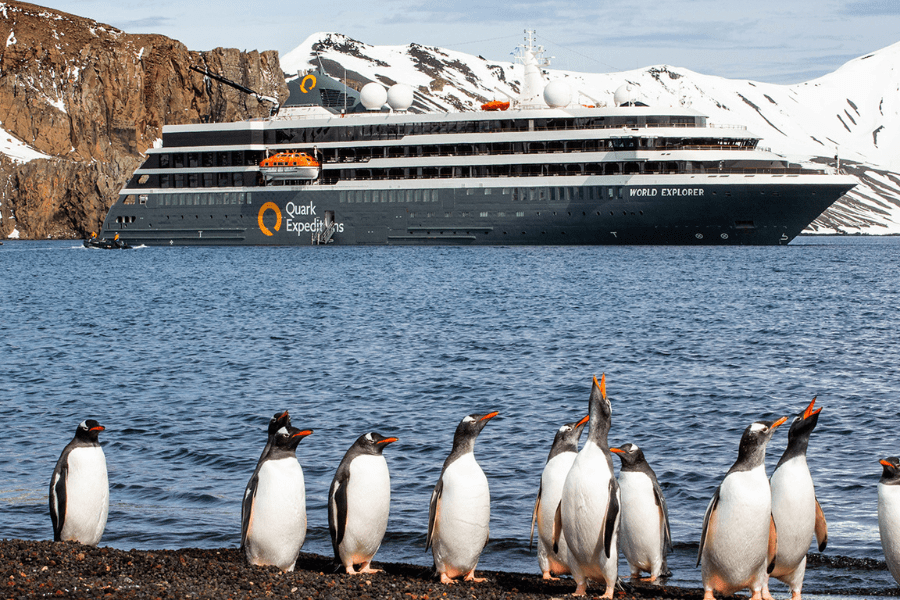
<point x="238" y="179"/>
<point x="249" y="198"/>
<point x="506" y="191"/>
<point x="222" y="159"/>
<point x="367" y="196"/>
<point x="193" y="180"/>
<point x="178" y="160"/>
<point x="470" y="192"/>
<point x="163" y="181"/>
<point x="434" y="195"/>
<point x="192" y="159"/>
<point x="163" y="161"/>
<point x="342" y="197"/>
<point x="483" y="214"/>
<point x="207" y="159"/>
<point x="223" y="179"/>
<point x="179" y="180"/>
<point x="207" y="180"/>
<point x="520" y="214"/>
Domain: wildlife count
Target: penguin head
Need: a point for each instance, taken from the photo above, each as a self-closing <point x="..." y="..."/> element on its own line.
<point x="600" y="412"/>
<point x="752" y="451"/>
<point x="567" y="436"/>
<point x="278" y="421"/>
<point x="805" y="422"/>
<point x="469" y="428"/>
<point x="890" y="475"/>
<point x="89" y="431"/>
<point x="372" y="443"/>
<point x="287" y="438"/>
<point x="630" y="454"/>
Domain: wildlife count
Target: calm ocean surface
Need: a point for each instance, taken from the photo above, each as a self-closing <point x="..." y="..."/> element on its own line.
<point x="185" y="353"/>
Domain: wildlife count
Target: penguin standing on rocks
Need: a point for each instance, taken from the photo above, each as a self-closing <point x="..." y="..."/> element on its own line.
<point x="796" y="511"/>
<point x="738" y="543"/>
<point x="644" y="530"/>
<point x="889" y="513"/>
<point x="359" y="502"/>
<point x="562" y="455"/>
<point x="278" y="421"/>
<point x="79" y="488"/>
<point x="273" y="515"/>
<point x="460" y="511"/>
<point x="588" y="512"/>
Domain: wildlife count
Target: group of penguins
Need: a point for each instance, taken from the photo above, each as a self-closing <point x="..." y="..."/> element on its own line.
<point x="753" y="528"/>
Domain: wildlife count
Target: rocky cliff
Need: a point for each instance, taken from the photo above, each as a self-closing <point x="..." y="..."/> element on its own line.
<point x="90" y="99"/>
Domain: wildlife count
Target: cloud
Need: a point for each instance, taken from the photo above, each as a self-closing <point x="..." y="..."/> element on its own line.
<point x="871" y="8"/>
<point x="145" y="23"/>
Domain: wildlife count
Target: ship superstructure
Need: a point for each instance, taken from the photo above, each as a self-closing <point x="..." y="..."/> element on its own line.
<point x="544" y="171"/>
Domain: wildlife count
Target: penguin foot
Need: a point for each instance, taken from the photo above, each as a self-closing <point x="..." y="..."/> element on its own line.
<point x="446" y="579"/>
<point x="708" y="595"/>
<point x="548" y="577"/>
<point x="580" y="589"/>
<point x="368" y="569"/>
<point x="609" y="592"/>
<point x="470" y="576"/>
<point x="767" y="596"/>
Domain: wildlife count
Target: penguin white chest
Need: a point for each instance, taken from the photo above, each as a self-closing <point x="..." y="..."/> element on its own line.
<point x="368" y="506"/>
<point x="641" y="529"/>
<point x="277" y="527"/>
<point x="462" y="523"/>
<point x="737" y="541"/>
<point x="889" y="526"/>
<point x="87" y="496"/>
<point x="794" y="511"/>
<point x="552" y="481"/>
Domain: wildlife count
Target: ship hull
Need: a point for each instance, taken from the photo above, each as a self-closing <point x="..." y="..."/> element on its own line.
<point x="717" y="211"/>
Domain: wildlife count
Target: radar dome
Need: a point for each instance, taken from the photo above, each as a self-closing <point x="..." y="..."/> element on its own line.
<point x="624" y="95"/>
<point x="557" y="94"/>
<point x="400" y="97"/>
<point x="373" y="96"/>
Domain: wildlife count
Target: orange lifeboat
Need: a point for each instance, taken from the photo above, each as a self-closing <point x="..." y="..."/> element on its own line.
<point x="495" y="105"/>
<point x="289" y="165"/>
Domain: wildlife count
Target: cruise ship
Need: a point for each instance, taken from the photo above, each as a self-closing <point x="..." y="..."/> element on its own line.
<point x="340" y="166"/>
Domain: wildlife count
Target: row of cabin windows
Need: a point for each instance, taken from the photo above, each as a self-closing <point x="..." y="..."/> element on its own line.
<point x="193" y="199"/>
<point x="330" y="176"/>
<point x="350" y="132"/>
<point x="188" y="160"/>
<point x="534" y="194"/>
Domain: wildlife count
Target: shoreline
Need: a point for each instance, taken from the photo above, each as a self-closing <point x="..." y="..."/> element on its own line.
<point x="66" y="569"/>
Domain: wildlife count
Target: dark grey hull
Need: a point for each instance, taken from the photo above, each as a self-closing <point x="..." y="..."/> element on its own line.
<point x="715" y="214"/>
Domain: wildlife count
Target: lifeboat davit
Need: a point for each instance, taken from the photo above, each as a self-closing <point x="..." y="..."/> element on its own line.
<point x="495" y="105"/>
<point x="289" y="165"/>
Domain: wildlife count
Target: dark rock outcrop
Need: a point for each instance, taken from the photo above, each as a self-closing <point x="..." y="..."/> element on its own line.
<point x="94" y="98"/>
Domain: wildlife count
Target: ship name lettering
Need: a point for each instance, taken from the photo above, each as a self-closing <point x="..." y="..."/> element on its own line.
<point x="298" y="210"/>
<point x="666" y="192"/>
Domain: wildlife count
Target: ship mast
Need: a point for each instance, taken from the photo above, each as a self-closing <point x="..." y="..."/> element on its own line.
<point x="531" y="57"/>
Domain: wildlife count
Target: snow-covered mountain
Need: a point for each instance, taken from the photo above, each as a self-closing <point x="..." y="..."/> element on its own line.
<point x="853" y="113"/>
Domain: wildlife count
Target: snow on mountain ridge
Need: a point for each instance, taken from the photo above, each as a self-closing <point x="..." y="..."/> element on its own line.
<point x="853" y="112"/>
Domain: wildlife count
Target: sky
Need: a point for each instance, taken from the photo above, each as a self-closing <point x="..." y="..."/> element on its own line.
<point x="776" y="41"/>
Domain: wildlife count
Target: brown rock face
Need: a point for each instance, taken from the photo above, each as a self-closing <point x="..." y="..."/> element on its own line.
<point x="95" y="98"/>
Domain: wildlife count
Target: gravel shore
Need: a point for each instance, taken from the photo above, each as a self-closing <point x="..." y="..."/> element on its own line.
<point x="31" y="569"/>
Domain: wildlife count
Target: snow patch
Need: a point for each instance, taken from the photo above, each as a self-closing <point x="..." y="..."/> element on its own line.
<point x="17" y="150"/>
<point x="11" y="39"/>
<point x="14" y="235"/>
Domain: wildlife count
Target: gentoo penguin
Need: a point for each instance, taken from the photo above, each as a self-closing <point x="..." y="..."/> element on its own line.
<point x="359" y="501"/>
<point x="278" y="421"/>
<point x="273" y="515"/>
<point x="79" y="488"/>
<point x="796" y="511"/>
<point x="562" y="455"/>
<point x="644" y="530"/>
<point x="889" y="513"/>
<point x="460" y="511"/>
<point x="738" y="542"/>
<point x="588" y="512"/>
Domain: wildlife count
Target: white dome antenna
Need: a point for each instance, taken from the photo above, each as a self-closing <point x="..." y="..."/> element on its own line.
<point x="557" y="94"/>
<point x="373" y="96"/>
<point x="400" y="97"/>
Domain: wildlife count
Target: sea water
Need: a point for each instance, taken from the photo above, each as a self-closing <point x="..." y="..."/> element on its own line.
<point x="184" y="354"/>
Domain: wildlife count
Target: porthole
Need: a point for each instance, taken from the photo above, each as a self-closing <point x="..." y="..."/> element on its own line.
<point x="724" y="236"/>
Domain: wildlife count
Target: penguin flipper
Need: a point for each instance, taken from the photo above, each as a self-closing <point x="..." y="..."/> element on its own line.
<point x="534" y="515"/>
<point x="709" y="524"/>
<point x="58" y="498"/>
<point x="247" y="507"/>
<point x="772" y="550"/>
<point x="557" y="527"/>
<point x="663" y="516"/>
<point x="337" y="509"/>
<point x="434" y="510"/>
<point x="612" y="513"/>
<point x="821" y="527"/>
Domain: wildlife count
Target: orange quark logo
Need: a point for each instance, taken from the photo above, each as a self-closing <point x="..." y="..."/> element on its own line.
<point x="262" y="213"/>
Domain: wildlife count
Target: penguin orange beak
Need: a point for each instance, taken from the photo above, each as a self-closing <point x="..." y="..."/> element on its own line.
<point x="583" y="421"/>
<point x="779" y="422"/>
<point x="809" y="409"/>
<point x="97" y="428"/>
<point x="886" y="463"/>
<point x="489" y="416"/>
<point x="282" y="415"/>
<point x="389" y="440"/>
<point x="617" y="450"/>
<point x="601" y="385"/>
<point x="303" y="433"/>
